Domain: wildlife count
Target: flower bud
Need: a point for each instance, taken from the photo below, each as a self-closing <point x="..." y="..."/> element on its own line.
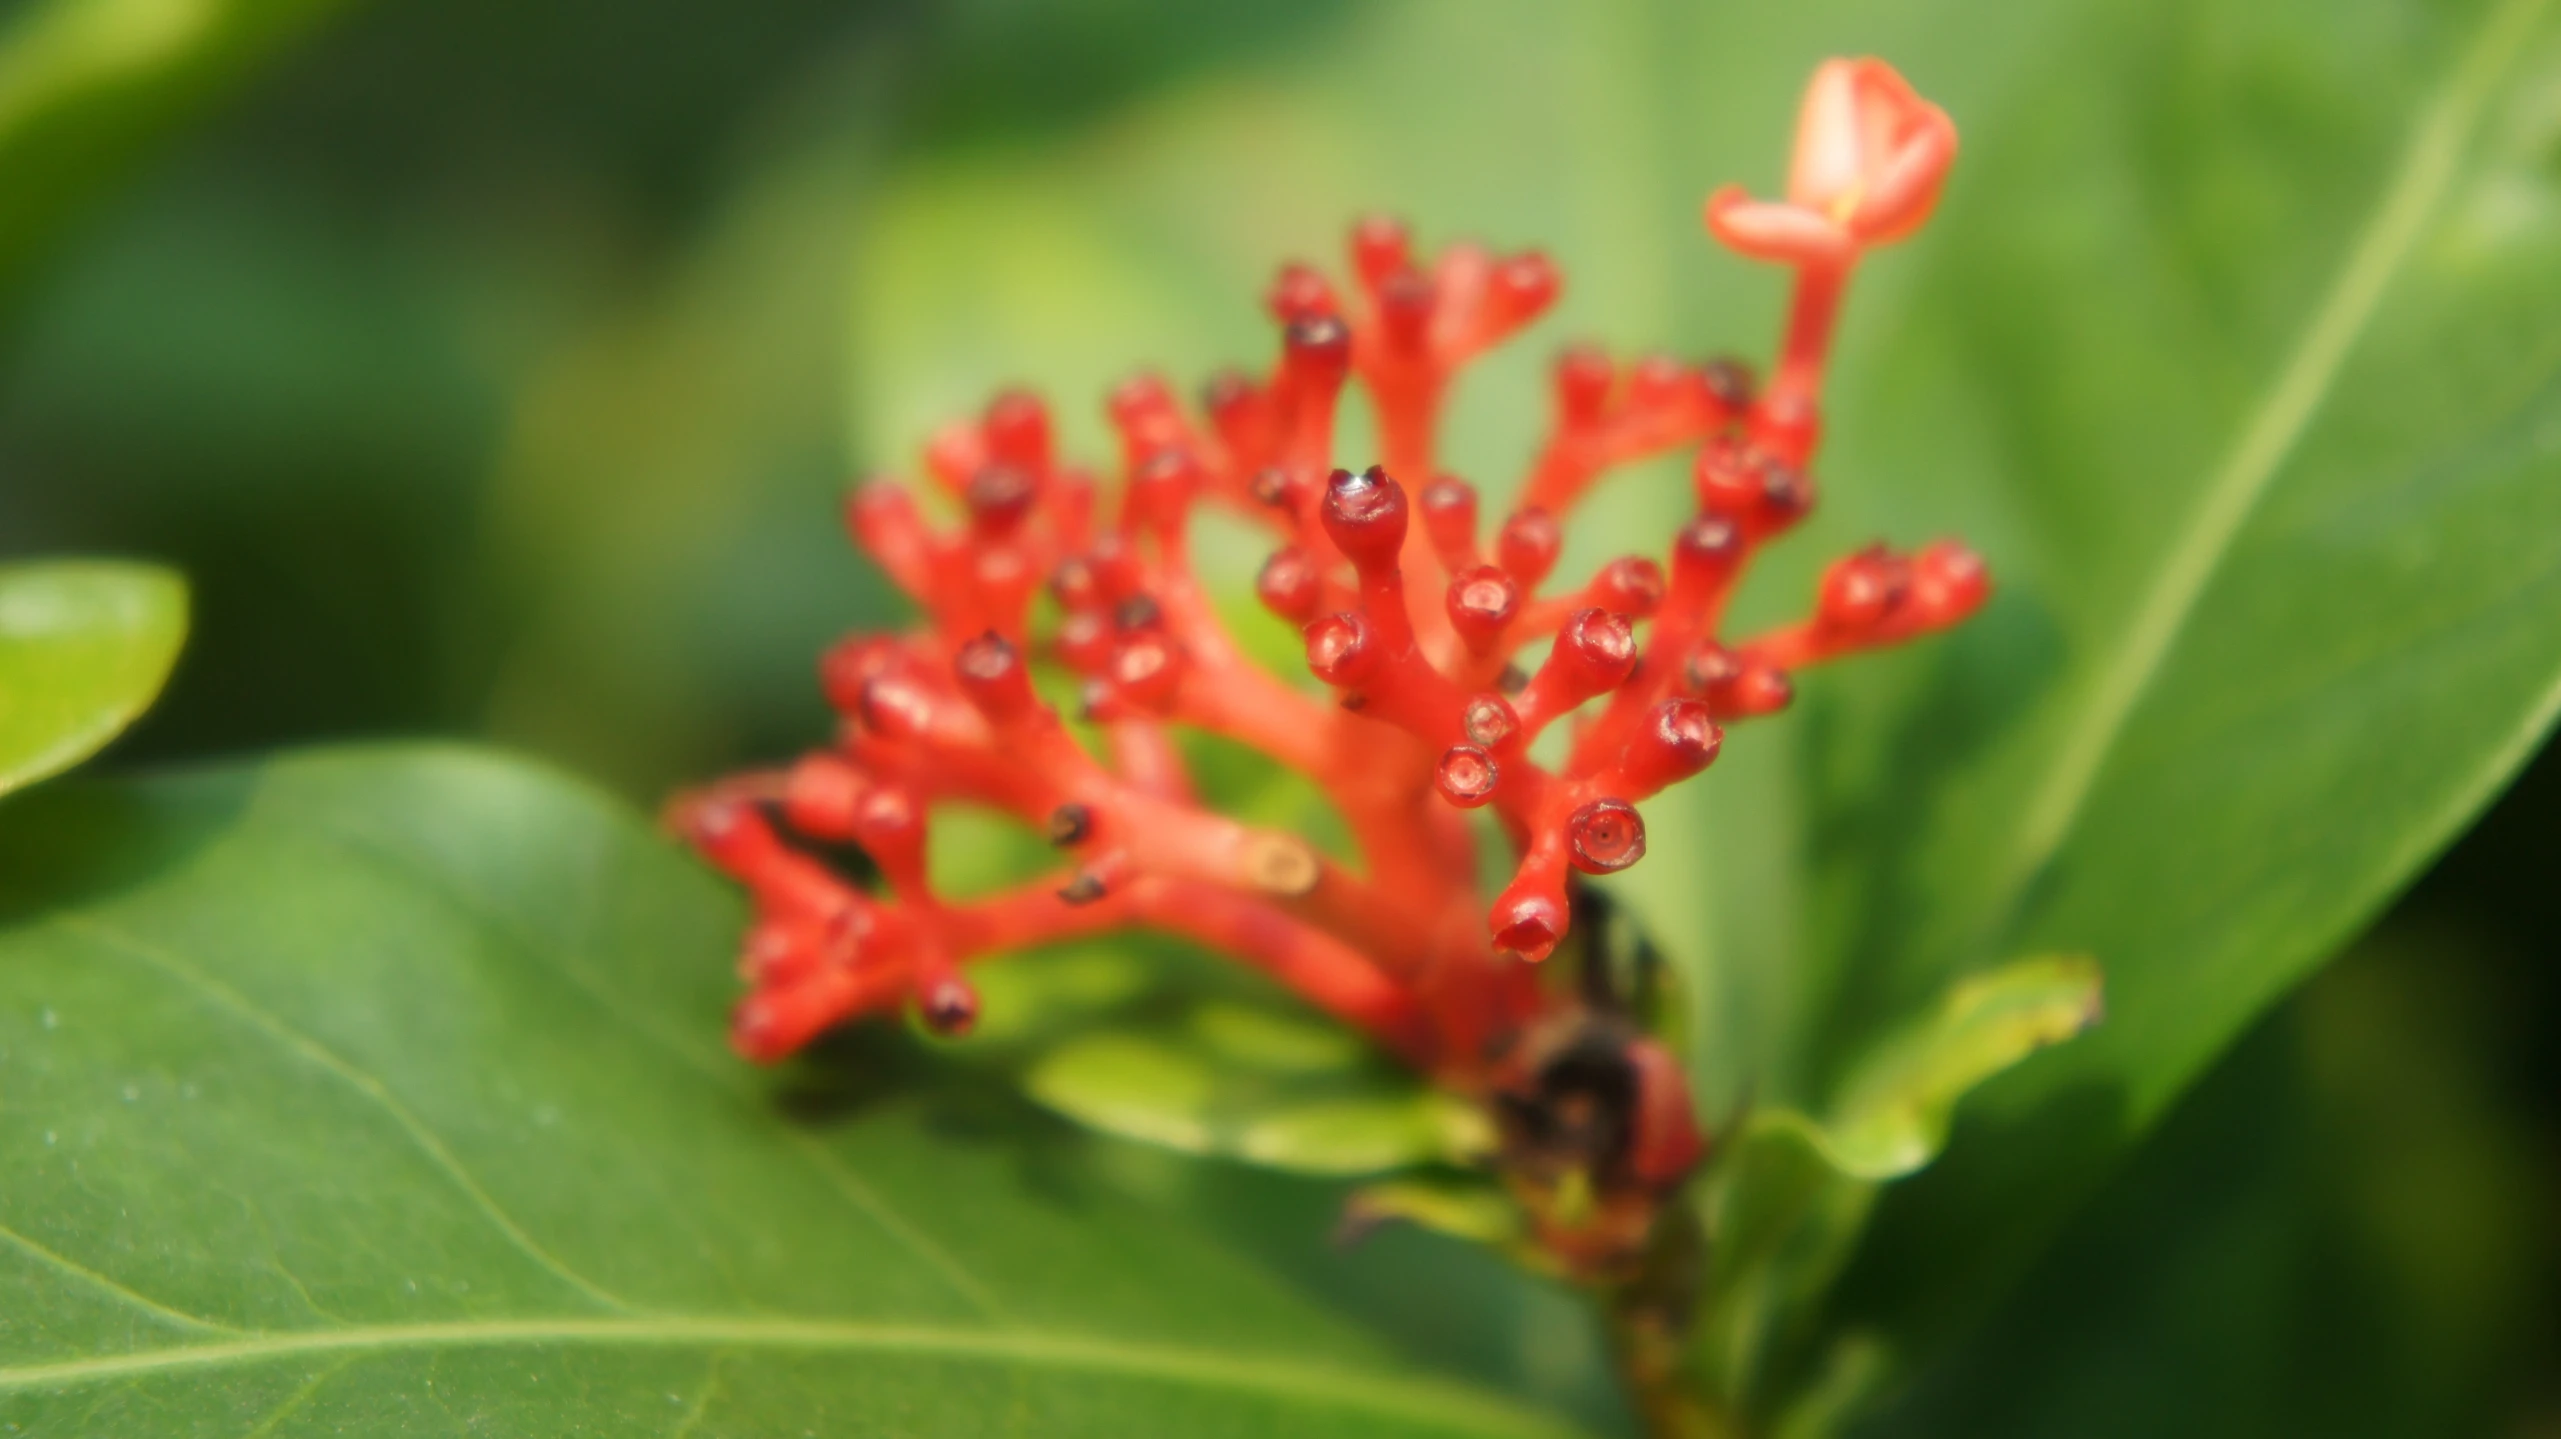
<point x="1605" y="836"/>
<point x="993" y="677"/>
<point x="1364" y="515"/>
<point x="1289" y="585"/>
<point x="1482" y="602"/>
<point x="1467" y="776"/>
<point x="1343" y="648"/>
<point x="1528" y="546"/>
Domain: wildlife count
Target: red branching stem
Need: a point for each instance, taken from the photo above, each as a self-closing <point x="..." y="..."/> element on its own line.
<point x="1419" y="606"/>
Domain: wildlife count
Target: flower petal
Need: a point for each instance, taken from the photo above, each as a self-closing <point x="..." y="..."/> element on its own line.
<point x="1767" y="230"/>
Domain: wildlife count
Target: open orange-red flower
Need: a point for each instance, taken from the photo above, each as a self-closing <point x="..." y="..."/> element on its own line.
<point x="1870" y="157"/>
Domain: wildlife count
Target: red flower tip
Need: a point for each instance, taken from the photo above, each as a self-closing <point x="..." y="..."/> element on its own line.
<point x="1466" y="776"/>
<point x="1529" y="922"/>
<point x="1871" y="155"/>
<point x="949" y="1006"/>
<point x="1016" y="430"/>
<point x="992" y="676"/>
<point x="1449" y="518"/>
<point x="1290" y="585"/>
<point x="1365" y="517"/>
<point x="1147" y="670"/>
<point x="1679" y="738"/>
<point x="1489" y="721"/>
<point x="1528" y="546"/>
<point x="1605" y="836"/>
<point x="1299" y="294"/>
<point x="1524" y="286"/>
<point x="820" y="795"/>
<point x="1761" y="493"/>
<point x="1630" y="586"/>
<point x="1949" y="582"/>
<point x="1859" y="592"/>
<point x="1482" y="601"/>
<point x="895" y="708"/>
<point x="1343" y="648"/>
<point x="1381" y="246"/>
<point x="1583" y="378"/>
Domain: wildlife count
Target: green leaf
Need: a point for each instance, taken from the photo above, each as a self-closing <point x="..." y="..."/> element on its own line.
<point x="1891" y="1115"/>
<point x="86" y="84"/>
<point x="2272" y="468"/>
<point x="84" y="647"/>
<point x="1255" y="1085"/>
<point x="1787" y="1201"/>
<point x="381" y="1092"/>
<point x="2235" y="345"/>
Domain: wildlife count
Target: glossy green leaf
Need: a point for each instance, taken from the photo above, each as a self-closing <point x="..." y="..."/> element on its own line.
<point x="1254" y="1085"/>
<point x="1890" y="1116"/>
<point x="1785" y="1204"/>
<point x="382" y="1092"/>
<point x="2234" y="346"/>
<point x="84" y="646"/>
<point x="84" y="84"/>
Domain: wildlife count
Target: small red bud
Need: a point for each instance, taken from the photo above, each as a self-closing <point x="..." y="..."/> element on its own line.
<point x="1289" y="585"/>
<point x="1679" y="738"/>
<point x="1524" y="286"/>
<point x="895" y="707"/>
<point x="1481" y="603"/>
<point x="1300" y="294"/>
<point x="1730" y="383"/>
<point x="1148" y="669"/>
<point x="1631" y="585"/>
<point x="1752" y="487"/>
<point x="1467" y="776"/>
<point x="1659" y="382"/>
<point x="1017" y="429"/>
<point x="992" y="675"/>
<point x="949" y="1006"/>
<point x="1705" y="555"/>
<point x="1405" y="303"/>
<point x="1489" y="721"/>
<point x="1364" y="515"/>
<point x="1449" y="517"/>
<point x="1528" y="546"/>
<point x="1316" y="353"/>
<point x="1605" y="836"/>
<point x="1529" y="924"/>
<point x="1949" y="581"/>
<point x="1582" y="379"/>
<point x="1381" y="246"/>
<point x="820" y="795"/>
<point x="890" y="827"/>
<point x="1601" y="648"/>
<point x="1084" y="641"/>
<point x="1342" y="648"/>
<point x="1860" y="591"/>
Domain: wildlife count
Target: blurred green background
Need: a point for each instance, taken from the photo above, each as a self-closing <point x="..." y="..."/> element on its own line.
<point x="493" y="368"/>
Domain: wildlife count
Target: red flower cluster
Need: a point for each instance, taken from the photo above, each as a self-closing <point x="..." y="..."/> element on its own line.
<point x="1413" y="615"/>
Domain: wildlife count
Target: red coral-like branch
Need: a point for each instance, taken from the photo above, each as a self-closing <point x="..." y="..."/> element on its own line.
<point x="1416" y="617"/>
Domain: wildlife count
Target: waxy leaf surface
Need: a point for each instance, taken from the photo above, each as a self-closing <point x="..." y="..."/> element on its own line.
<point x="2235" y="346"/>
<point x="381" y="1092"/>
<point x="84" y="646"/>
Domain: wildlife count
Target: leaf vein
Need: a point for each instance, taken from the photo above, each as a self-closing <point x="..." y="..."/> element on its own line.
<point x="110" y="937"/>
<point x="1417" y="1398"/>
<point x="2441" y="131"/>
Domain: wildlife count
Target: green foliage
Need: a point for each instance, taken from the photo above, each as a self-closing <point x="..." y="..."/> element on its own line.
<point x="371" y="1090"/>
<point x="2236" y="330"/>
<point x="84" y="645"/>
<point x="2233" y="346"/>
<point x="86" y="84"/>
